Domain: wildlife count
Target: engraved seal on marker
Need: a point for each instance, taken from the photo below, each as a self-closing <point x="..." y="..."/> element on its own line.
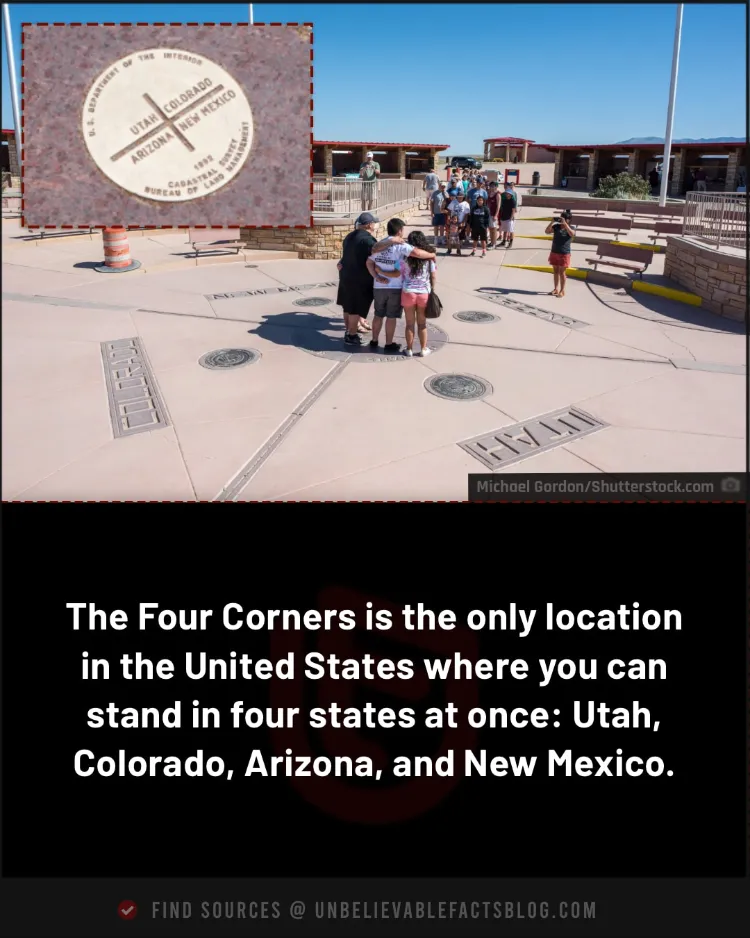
<point x="167" y="125"/>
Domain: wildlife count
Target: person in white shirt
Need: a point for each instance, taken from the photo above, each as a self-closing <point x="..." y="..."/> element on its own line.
<point x="459" y="210"/>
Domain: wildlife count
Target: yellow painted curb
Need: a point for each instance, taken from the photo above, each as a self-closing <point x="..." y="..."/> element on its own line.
<point x="574" y="272"/>
<point x="533" y="237"/>
<point x="578" y="274"/>
<point x="656" y="248"/>
<point x="680" y="295"/>
<point x="518" y="218"/>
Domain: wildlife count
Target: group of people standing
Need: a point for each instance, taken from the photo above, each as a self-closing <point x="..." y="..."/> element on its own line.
<point x="397" y="274"/>
<point x="469" y="209"/>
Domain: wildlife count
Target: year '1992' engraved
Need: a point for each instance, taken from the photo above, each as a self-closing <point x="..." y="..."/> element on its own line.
<point x="167" y="125"/>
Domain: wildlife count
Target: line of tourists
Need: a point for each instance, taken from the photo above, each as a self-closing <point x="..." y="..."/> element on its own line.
<point x="470" y="209"/>
<point x="398" y="274"/>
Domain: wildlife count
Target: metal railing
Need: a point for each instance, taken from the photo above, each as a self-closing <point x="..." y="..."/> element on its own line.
<point x="719" y="219"/>
<point x="347" y="198"/>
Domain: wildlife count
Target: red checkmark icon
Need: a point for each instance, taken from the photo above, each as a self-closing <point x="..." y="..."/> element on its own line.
<point x="127" y="910"/>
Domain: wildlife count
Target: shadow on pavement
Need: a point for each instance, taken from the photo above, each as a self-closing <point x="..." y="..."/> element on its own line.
<point x="312" y="332"/>
<point x="502" y="291"/>
<point x="661" y="309"/>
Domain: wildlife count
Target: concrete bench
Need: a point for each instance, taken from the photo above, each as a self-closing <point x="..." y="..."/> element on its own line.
<point x="635" y="259"/>
<point x="664" y="228"/>
<point x="577" y="206"/>
<point x="649" y="209"/>
<point x="602" y="224"/>
<point x="199" y="246"/>
<point x="64" y="233"/>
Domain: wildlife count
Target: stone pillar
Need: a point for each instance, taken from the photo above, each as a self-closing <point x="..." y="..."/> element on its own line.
<point x="402" y="163"/>
<point x="507" y="153"/>
<point x="680" y="158"/>
<point x="15" y="169"/>
<point x="558" y="168"/>
<point x="732" y="165"/>
<point x="633" y="162"/>
<point x="525" y="157"/>
<point x="363" y="155"/>
<point x="328" y="161"/>
<point x="593" y="170"/>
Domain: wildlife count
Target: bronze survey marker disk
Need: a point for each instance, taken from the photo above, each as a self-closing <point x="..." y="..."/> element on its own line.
<point x="167" y="125"/>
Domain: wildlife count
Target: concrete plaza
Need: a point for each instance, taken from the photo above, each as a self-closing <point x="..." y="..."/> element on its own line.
<point x="307" y="420"/>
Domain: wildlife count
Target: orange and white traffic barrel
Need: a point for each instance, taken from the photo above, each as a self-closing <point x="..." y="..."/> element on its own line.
<point x="117" y="259"/>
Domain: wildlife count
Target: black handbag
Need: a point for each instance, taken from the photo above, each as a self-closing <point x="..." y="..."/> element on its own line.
<point x="434" y="307"/>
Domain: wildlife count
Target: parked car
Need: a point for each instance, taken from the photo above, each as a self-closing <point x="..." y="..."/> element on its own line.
<point x="465" y="162"/>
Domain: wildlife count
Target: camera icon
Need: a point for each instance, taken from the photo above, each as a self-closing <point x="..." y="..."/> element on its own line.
<point x="731" y="486"/>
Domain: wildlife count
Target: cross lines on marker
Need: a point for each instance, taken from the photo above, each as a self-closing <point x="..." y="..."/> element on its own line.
<point x="167" y="122"/>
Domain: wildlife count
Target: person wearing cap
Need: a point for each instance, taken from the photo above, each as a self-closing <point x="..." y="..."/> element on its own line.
<point x="559" y="258"/>
<point x="459" y="210"/>
<point x="507" y="216"/>
<point x="355" y="294"/>
<point x="369" y="172"/>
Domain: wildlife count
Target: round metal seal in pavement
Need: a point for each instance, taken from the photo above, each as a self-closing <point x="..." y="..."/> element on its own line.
<point x="324" y="339"/>
<point x="458" y="387"/>
<point x="224" y="358"/>
<point x="475" y="316"/>
<point x="313" y="301"/>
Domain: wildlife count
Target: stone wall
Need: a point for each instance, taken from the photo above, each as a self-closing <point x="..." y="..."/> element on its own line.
<point x="718" y="277"/>
<point x="322" y="241"/>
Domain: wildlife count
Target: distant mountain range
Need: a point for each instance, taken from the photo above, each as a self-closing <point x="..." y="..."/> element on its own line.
<point x="684" y="140"/>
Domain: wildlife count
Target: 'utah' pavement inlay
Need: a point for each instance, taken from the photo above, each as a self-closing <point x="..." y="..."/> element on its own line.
<point x="134" y="402"/>
<point x="528" y="438"/>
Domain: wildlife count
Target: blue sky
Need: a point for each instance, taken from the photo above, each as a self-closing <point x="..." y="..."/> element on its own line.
<point x="517" y="88"/>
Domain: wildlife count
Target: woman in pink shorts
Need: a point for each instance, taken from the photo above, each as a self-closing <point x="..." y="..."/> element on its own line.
<point x="418" y="282"/>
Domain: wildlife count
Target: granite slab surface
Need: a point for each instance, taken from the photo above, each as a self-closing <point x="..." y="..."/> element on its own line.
<point x="167" y="125"/>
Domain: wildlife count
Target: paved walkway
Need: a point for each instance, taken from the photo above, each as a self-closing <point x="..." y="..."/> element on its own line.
<point x="309" y="421"/>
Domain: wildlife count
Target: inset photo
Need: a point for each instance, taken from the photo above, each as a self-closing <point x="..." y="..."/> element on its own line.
<point x="148" y="125"/>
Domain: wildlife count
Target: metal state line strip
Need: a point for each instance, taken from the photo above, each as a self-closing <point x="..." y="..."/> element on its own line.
<point x="233" y="489"/>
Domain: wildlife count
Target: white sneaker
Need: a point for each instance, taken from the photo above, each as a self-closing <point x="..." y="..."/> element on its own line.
<point x="425" y="352"/>
<point x="408" y="352"/>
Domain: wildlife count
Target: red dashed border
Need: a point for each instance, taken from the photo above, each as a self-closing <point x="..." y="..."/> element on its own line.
<point x="163" y="227"/>
<point x="294" y="501"/>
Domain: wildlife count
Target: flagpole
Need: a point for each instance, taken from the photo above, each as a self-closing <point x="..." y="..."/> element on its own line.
<point x="251" y="14"/>
<point x="13" y="82"/>
<point x="670" y="112"/>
